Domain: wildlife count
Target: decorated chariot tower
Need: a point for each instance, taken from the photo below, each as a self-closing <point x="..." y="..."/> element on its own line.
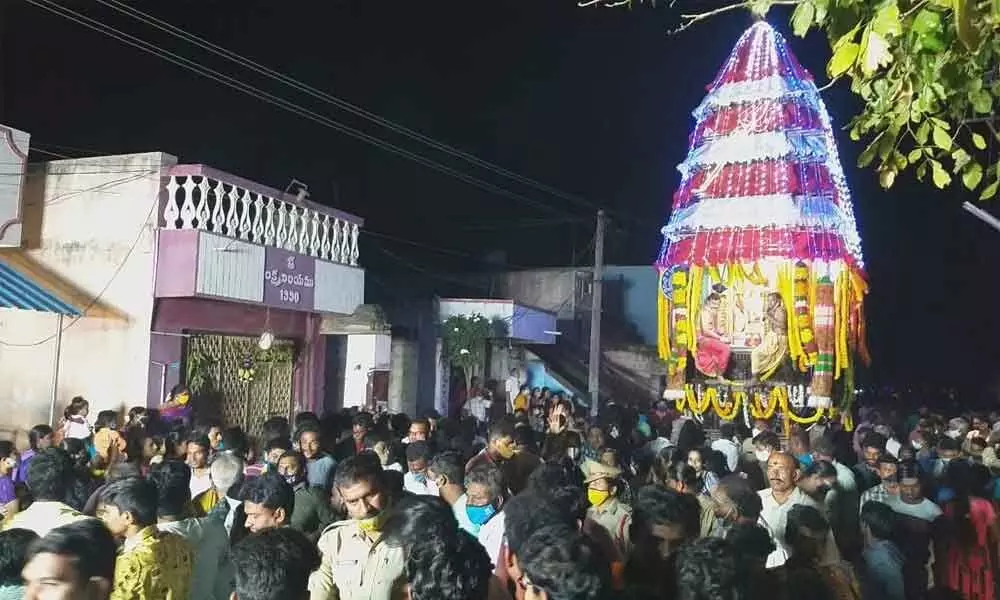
<point x="762" y="279"/>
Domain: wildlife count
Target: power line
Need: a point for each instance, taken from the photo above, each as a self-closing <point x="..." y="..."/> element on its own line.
<point x="340" y="103"/>
<point x="287" y="105"/>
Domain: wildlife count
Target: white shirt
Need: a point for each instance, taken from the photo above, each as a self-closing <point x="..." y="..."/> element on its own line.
<point x="513" y="388"/>
<point x="730" y="450"/>
<point x="491" y="536"/>
<point x="926" y="510"/>
<point x="415" y="486"/>
<point x="477" y="407"/>
<point x="231" y="515"/>
<point x="892" y="447"/>
<point x="200" y="483"/>
<point x="774" y="517"/>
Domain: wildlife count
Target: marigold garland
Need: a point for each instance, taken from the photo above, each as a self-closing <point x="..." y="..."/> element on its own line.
<point x="734" y="406"/>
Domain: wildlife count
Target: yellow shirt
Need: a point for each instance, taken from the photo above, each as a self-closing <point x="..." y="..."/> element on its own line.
<point x="153" y="566"/>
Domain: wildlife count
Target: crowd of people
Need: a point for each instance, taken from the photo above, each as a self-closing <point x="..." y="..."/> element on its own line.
<point x="635" y="505"/>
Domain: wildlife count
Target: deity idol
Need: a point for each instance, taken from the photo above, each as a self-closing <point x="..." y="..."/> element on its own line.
<point x="712" y="355"/>
<point x="766" y="357"/>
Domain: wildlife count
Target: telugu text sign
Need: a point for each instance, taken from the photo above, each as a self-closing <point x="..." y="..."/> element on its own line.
<point x="289" y="279"/>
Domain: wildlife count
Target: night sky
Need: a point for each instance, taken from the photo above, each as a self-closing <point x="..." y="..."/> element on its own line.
<point x="593" y="102"/>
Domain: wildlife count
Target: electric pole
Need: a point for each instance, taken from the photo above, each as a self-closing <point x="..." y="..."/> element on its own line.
<point x="596" y="304"/>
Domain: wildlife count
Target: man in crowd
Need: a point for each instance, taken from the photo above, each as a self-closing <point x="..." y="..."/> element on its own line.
<point x="312" y="510"/>
<point x="274" y="564"/>
<point x="485" y="496"/>
<point x="152" y="565"/>
<point x="211" y="573"/>
<point x="318" y="463"/>
<point x="268" y="502"/>
<point x="415" y="480"/>
<point x="355" y="564"/>
<point x="783" y="474"/>
<point x="605" y="508"/>
<point x="447" y="473"/>
<point x="49" y="475"/>
<point x="75" y="561"/>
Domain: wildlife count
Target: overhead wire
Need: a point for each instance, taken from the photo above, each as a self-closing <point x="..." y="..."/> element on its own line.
<point x="256" y="92"/>
<point x="340" y="103"/>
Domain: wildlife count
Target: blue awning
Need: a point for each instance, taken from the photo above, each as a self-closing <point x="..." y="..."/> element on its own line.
<point x="19" y="291"/>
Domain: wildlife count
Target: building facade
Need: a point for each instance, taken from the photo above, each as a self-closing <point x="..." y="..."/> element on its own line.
<point x="181" y="274"/>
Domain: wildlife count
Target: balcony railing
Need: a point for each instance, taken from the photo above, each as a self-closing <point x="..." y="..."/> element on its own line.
<point x="199" y="197"/>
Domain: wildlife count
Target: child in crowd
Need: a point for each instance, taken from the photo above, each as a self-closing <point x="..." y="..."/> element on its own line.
<point x="8" y="466"/>
<point x="109" y="445"/>
<point x="75" y="424"/>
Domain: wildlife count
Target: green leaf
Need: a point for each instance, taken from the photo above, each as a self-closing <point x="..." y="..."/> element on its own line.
<point x="875" y="52"/>
<point x="941" y="139"/>
<point x="886" y="178"/>
<point x="990" y="191"/>
<point x="802" y="18"/>
<point x="886" y="22"/>
<point x="961" y="158"/>
<point x="868" y="154"/>
<point x="843" y="59"/>
<point x="822" y="8"/>
<point x="927" y="22"/>
<point x="923" y="132"/>
<point x="978" y="141"/>
<point x="939" y="175"/>
<point x="972" y="176"/>
<point x="982" y="102"/>
<point x="914" y="155"/>
<point x="938" y="122"/>
<point x="922" y="170"/>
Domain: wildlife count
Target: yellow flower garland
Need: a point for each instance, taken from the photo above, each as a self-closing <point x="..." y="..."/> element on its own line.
<point x="759" y="411"/>
<point x="737" y="400"/>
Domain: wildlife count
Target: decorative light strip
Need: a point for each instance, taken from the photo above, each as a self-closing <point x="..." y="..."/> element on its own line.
<point x="778" y="210"/>
<point x="771" y="87"/>
<point x="802" y="146"/>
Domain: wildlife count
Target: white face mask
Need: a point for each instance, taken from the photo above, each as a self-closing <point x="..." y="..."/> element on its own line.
<point x="762" y="455"/>
<point x="917" y="445"/>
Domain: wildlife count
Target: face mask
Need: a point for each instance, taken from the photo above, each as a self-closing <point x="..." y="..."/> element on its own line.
<point x="762" y="455"/>
<point x="479" y="515"/>
<point x="918" y="445"/>
<point x="597" y="497"/>
<point x="420" y="478"/>
<point x="370" y="524"/>
<point x="294" y="480"/>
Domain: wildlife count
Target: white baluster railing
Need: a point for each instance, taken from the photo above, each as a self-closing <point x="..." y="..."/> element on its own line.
<point x="200" y="201"/>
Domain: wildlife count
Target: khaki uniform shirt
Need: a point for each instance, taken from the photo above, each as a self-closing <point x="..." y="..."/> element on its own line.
<point x="356" y="567"/>
<point x="615" y="517"/>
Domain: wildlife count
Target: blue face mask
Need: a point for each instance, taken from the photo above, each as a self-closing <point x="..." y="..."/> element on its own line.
<point x="479" y="515"/>
<point x="420" y="478"/>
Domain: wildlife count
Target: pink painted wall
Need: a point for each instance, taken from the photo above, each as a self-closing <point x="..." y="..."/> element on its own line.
<point x="176" y="262"/>
<point x="190" y="315"/>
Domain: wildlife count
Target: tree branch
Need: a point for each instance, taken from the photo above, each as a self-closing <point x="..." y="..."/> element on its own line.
<point x="690" y="19"/>
<point x="829" y="84"/>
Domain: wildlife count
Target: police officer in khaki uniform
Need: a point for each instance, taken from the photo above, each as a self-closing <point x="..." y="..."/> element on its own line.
<point x="605" y="507"/>
<point x="356" y="563"/>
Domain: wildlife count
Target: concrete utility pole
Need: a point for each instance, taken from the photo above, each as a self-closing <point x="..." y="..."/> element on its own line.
<point x="596" y="304"/>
